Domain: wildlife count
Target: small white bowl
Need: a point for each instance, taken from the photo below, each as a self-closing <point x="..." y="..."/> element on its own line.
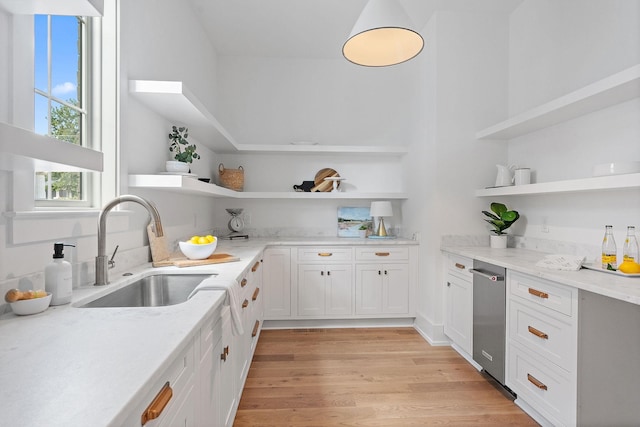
<point x="31" y="306"/>
<point x="618" y="168"/>
<point x="193" y="251"/>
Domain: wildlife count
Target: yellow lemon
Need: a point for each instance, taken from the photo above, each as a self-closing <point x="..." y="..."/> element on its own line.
<point x="210" y="238"/>
<point x="194" y="240"/>
<point x="202" y="240"/>
<point x="629" y="267"/>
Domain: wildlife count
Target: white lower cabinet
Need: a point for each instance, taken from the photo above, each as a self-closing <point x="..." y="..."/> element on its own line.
<point x="208" y="402"/>
<point x="225" y="360"/>
<point x="276" y="278"/>
<point x="458" y="303"/>
<point x="382" y="289"/>
<point x="324" y="290"/>
<point x="542" y="346"/>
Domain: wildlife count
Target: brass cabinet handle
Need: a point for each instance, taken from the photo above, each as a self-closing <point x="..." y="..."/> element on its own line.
<point x="243" y="283"/>
<point x="382" y="254"/>
<point x="324" y="254"/>
<point x="158" y="404"/>
<point x="223" y="356"/>
<point x="538" y="293"/>
<point x="226" y="350"/>
<point x="538" y="333"/>
<point x="533" y="380"/>
<point x="255" y="266"/>
<point x="245" y="303"/>
<point x="255" y="294"/>
<point x="460" y="266"/>
<point x="255" y="328"/>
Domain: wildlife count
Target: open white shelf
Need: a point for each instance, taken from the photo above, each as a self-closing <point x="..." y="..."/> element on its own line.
<point x="615" y="89"/>
<point x="46" y="7"/>
<point x="23" y="149"/>
<point x="190" y="185"/>
<point x="600" y="183"/>
<point x="175" y="102"/>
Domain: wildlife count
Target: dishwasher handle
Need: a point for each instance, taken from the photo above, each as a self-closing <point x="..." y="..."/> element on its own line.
<point x="492" y="277"/>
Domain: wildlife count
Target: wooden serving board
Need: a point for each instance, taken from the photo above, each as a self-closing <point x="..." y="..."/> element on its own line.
<point x="161" y="257"/>
<point x="320" y="184"/>
<point x="185" y="262"/>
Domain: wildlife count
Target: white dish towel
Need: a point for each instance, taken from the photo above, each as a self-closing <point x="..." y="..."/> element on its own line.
<point x="232" y="299"/>
<point x="561" y="262"/>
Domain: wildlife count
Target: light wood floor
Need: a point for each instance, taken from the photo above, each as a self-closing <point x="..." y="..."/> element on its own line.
<point x="367" y="377"/>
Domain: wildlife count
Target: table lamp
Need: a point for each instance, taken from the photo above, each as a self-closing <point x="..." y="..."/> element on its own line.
<point x="380" y="210"/>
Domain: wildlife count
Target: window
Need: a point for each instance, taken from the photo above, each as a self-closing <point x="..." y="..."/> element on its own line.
<point x="62" y="90"/>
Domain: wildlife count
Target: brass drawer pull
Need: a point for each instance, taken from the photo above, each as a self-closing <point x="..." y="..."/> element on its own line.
<point x="460" y="266"/>
<point x="538" y="293"/>
<point x="533" y="380"/>
<point x="226" y="350"/>
<point x="243" y="283"/>
<point x="156" y="407"/>
<point x="255" y="328"/>
<point x="383" y="253"/>
<point x="538" y="333"/>
<point x="324" y="254"/>
<point x="245" y="303"/>
<point x="255" y="294"/>
<point x="255" y="266"/>
<point x="223" y="357"/>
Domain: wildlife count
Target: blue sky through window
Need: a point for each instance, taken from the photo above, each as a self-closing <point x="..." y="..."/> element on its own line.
<point x="64" y="63"/>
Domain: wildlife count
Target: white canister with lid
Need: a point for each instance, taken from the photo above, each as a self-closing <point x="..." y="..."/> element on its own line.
<point x="522" y="176"/>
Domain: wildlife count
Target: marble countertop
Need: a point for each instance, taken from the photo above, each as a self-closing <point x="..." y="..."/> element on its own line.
<point x="70" y="366"/>
<point x="524" y="260"/>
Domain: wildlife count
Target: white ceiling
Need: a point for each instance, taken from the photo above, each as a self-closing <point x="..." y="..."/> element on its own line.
<point x="305" y="28"/>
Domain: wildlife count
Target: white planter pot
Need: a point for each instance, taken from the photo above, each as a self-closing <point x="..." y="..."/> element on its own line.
<point x="175" y="166"/>
<point x="499" y="242"/>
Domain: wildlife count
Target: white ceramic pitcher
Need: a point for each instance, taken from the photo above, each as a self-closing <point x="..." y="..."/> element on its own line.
<point x="505" y="176"/>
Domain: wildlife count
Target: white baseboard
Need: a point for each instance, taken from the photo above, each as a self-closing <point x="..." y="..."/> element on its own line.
<point x="337" y="323"/>
<point x="431" y="332"/>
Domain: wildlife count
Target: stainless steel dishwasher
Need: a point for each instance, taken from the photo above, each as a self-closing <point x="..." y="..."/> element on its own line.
<point x="489" y="318"/>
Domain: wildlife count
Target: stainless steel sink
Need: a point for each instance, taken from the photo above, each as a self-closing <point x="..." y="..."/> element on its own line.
<point x="151" y="291"/>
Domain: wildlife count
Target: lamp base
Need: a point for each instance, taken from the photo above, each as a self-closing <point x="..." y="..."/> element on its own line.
<point x="382" y="231"/>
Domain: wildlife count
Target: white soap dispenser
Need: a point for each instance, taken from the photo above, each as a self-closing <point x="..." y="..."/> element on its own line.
<point x="58" y="277"/>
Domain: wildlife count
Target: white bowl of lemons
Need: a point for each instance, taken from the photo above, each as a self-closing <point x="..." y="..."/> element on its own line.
<point x="199" y="247"/>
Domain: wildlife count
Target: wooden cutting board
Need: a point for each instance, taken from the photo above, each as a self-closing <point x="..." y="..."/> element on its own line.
<point x="161" y="257"/>
<point x="322" y="185"/>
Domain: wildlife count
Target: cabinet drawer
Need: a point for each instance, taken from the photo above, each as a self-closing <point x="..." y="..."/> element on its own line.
<point x="209" y="335"/>
<point x="543" y="293"/>
<point x="551" y="338"/>
<point x="324" y="254"/>
<point x="378" y="253"/>
<point x="547" y="389"/>
<point x="459" y="266"/>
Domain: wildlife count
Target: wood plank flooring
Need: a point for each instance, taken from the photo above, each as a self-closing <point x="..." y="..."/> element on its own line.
<point x="367" y="377"/>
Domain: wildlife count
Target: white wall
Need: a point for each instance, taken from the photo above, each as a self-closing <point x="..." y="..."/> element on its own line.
<point x="463" y="83"/>
<point x="5" y="51"/>
<point x="555" y="48"/>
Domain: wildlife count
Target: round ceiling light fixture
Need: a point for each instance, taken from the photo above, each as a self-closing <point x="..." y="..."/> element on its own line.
<point x="382" y="36"/>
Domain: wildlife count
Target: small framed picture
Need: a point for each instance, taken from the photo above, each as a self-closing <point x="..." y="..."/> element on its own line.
<point x="353" y="222"/>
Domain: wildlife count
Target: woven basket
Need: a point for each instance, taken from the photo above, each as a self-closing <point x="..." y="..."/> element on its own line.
<point x="232" y="179"/>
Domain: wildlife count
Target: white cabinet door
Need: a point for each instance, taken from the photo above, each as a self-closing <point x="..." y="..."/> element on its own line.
<point x="311" y="290"/>
<point x="276" y="281"/>
<point x="338" y="289"/>
<point x="458" y="316"/>
<point x="382" y="288"/>
<point x="228" y="393"/>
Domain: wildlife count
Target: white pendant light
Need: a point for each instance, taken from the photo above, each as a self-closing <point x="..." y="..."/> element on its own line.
<point x="382" y="36"/>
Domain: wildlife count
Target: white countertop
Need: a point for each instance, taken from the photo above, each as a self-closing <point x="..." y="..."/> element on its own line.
<point x="71" y="366"/>
<point x="524" y="260"/>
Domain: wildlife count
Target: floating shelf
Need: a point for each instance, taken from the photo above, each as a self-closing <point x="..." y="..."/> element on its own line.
<point x="23" y="149"/>
<point x="615" y="89"/>
<point x="66" y="7"/>
<point x="190" y="185"/>
<point x="600" y="183"/>
<point x="175" y="102"/>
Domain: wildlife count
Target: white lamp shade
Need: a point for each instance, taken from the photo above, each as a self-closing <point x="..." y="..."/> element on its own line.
<point x="381" y="209"/>
<point x="382" y="36"/>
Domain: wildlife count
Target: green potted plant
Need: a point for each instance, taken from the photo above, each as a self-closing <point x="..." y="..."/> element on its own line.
<point x="500" y="219"/>
<point x="183" y="152"/>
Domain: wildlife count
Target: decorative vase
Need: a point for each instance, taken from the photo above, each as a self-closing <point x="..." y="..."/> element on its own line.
<point x="498" y="242"/>
<point x="177" y="167"/>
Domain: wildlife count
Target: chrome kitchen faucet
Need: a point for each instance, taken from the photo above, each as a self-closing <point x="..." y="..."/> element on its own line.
<point x="102" y="275"/>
